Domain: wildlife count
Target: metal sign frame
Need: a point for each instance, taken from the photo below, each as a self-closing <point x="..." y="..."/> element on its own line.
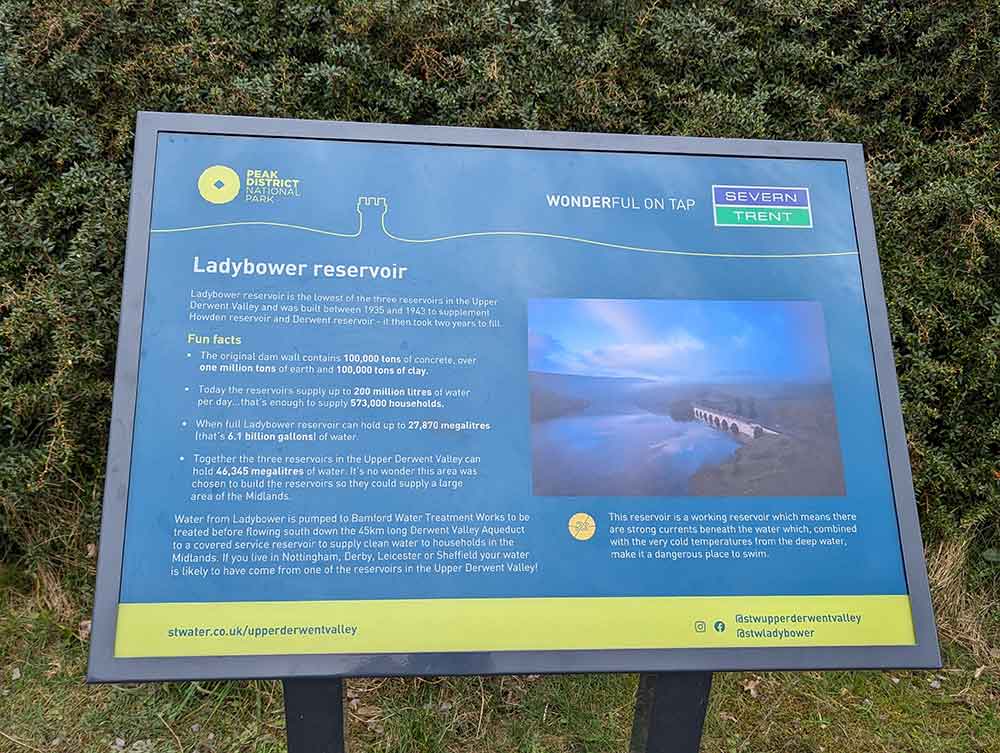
<point x="104" y="667"/>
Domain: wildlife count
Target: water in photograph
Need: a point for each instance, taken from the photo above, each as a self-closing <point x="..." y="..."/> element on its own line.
<point x="629" y="454"/>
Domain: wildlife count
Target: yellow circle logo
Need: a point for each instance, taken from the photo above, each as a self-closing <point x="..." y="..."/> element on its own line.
<point x="218" y="184"/>
<point x="582" y="526"/>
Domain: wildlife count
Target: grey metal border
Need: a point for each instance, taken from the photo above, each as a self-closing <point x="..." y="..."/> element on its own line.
<point x="103" y="667"/>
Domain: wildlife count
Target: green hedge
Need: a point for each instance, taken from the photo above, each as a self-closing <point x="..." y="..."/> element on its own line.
<point x="916" y="82"/>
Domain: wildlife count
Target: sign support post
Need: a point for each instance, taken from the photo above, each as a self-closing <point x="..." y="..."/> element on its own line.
<point x="314" y="715"/>
<point x="670" y="712"/>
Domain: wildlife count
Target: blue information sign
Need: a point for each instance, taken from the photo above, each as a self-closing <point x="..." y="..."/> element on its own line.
<point x="403" y="400"/>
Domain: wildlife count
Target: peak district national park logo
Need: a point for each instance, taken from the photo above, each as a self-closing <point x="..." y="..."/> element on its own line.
<point x="219" y="184"/>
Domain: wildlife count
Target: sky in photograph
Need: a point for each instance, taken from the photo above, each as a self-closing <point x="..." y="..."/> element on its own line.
<point x="679" y="340"/>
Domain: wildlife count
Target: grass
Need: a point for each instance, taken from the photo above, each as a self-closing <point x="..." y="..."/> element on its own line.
<point x="45" y="706"/>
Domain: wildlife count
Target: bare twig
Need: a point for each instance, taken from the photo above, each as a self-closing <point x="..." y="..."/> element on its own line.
<point x="21" y="743"/>
<point x="171" y="731"/>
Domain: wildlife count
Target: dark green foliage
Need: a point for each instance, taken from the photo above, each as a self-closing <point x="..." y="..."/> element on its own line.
<point x="916" y="82"/>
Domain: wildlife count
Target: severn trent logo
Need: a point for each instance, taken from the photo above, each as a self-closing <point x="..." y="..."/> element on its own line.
<point x="218" y="184"/>
<point x="762" y="206"/>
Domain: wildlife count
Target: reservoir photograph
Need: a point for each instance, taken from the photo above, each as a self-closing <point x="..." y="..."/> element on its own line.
<point x="681" y="398"/>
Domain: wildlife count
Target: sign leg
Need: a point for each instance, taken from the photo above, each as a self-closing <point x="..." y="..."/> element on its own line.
<point x="670" y="712"/>
<point x="314" y="715"/>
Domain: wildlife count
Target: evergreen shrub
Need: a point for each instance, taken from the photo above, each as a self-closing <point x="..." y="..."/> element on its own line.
<point x="915" y="82"/>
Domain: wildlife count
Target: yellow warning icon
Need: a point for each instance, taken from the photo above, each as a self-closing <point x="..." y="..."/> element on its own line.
<point x="582" y="526"/>
<point x="218" y="184"/>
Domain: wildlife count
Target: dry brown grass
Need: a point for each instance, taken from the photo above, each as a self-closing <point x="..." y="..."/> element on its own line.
<point x="50" y="594"/>
<point x="964" y="617"/>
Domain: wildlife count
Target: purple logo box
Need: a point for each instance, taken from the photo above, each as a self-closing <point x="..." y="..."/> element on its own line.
<point x="760" y="196"/>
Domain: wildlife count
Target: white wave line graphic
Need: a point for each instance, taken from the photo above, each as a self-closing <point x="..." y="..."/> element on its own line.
<point x="304" y="228"/>
<point x="500" y="234"/>
<point x="530" y="234"/>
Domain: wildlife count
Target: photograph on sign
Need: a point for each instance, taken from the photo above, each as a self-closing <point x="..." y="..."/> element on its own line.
<point x="507" y="405"/>
<point x="681" y="398"/>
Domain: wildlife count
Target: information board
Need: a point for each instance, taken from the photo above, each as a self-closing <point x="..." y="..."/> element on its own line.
<point x="402" y="400"/>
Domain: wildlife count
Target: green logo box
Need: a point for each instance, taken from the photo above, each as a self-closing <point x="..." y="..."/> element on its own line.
<point x="763" y="216"/>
